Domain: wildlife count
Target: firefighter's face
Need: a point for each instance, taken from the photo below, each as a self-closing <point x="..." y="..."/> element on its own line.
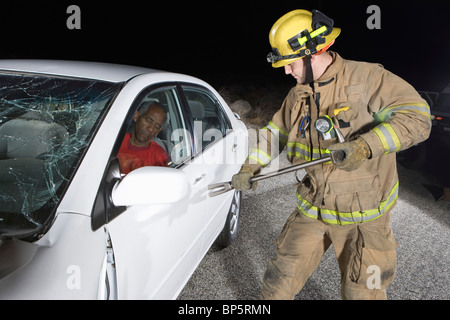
<point x="297" y="70"/>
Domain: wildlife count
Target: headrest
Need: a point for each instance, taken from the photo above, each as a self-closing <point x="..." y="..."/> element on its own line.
<point x="197" y="109"/>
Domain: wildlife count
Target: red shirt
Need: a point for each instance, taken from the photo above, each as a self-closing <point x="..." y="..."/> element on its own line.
<point x="132" y="157"/>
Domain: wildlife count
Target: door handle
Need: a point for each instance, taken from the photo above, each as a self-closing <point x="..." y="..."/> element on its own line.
<point x="198" y="179"/>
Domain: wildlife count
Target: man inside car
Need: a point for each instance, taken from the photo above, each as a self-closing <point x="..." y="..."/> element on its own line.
<point x="138" y="148"/>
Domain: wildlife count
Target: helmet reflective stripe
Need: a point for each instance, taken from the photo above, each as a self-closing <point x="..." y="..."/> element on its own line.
<point x="345" y="218"/>
<point x="299" y="41"/>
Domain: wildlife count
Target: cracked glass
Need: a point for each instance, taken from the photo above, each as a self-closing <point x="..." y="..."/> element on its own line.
<point x="46" y="125"/>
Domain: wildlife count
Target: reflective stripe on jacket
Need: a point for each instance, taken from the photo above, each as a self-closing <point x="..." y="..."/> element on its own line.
<point x="344" y="218"/>
<point x="364" y="100"/>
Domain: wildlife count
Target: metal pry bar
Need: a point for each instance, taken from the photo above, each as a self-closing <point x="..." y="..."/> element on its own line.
<point x="220" y="188"/>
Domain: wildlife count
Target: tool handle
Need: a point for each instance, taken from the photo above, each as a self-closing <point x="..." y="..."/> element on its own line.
<point x="336" y="156"/>
<point x="289" y="169"/>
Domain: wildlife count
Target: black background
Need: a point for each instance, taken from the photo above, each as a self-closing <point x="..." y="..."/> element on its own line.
<point x="226" y="41"/>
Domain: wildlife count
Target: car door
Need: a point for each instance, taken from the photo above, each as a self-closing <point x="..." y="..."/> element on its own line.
<point x="157" y="247"/>
<point x="217" y="152"/>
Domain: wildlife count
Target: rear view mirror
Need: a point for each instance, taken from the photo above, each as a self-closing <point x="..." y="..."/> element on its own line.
<point x="151" y="186"/>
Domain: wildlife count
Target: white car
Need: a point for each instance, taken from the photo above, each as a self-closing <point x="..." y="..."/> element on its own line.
<point x="71" y="225"/>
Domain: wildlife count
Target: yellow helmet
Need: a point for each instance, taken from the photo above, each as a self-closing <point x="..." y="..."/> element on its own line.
<point x="300" y="33"/>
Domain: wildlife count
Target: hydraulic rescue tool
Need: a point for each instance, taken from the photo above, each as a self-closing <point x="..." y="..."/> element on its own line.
<point x="335" y="156"/>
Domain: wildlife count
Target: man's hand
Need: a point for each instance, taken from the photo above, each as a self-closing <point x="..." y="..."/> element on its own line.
<point x="356" y="152"/>
<point x="241" y="180"/>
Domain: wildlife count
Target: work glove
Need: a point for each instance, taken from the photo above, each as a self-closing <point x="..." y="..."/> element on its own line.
<point x="241" y="180"/>
<point x="356" y="152"/>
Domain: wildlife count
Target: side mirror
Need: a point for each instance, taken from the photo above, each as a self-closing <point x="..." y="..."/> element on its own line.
<point x="151" y="186"/>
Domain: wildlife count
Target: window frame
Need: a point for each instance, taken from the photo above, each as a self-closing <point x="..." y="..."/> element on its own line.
<point x="103" y="210"/>
<point x="227" y="126"/>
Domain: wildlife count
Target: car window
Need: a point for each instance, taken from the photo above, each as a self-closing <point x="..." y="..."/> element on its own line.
<point x="210" y="121"/>
<point x="173" y="137"/>
<point x="46" y="125"/>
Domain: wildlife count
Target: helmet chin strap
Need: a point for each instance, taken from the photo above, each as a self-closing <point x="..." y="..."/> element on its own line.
<point x="311" y="48"/>
<point x="309" y="77"/>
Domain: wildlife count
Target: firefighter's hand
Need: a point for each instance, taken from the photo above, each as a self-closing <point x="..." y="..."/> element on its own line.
<point x="356" y="152"/>
<point x="241" y="180"/>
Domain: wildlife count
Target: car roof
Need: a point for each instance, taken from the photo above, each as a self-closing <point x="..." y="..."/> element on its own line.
<point x="80" y="69"/>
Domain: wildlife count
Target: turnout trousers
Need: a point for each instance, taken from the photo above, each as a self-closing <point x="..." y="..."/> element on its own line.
<point x="366" y="254"/>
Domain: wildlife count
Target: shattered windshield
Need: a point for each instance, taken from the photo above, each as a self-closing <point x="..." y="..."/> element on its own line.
<point x="46" y="124"/>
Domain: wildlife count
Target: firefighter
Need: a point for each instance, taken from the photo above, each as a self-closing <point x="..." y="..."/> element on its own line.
<point x="348" y="203"/>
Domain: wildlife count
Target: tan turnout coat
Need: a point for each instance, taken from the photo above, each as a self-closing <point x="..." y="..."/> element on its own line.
<point x="364" y="100"/>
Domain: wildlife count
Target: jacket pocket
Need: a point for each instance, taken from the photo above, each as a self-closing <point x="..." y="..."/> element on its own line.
<point x="354" y="194"/>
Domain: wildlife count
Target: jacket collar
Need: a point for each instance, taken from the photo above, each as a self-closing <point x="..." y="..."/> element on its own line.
<point x="330" y="73"/>
<point x="328" y="76"/>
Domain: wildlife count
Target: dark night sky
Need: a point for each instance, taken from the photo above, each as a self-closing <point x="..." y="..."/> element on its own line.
<point x="226" y="39"/>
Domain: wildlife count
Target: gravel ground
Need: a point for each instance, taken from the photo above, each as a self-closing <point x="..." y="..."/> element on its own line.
<point x="420" y="225"/>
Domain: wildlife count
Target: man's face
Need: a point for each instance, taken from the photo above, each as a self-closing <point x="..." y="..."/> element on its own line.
<point x="297" y="70"/>
<point x="148" y="125"/>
